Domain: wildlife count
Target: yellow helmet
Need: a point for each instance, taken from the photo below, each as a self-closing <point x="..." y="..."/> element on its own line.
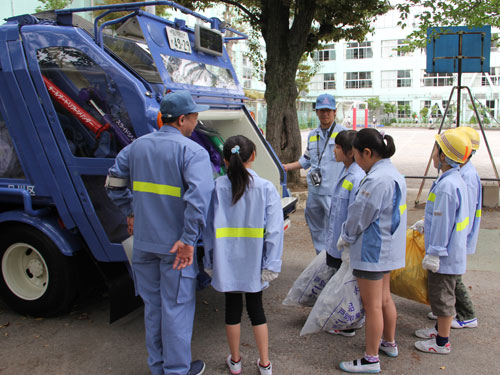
<point x="455" y="145"/>
<point x="472" y="134"/>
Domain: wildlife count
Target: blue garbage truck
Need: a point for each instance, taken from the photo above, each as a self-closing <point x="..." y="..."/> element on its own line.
<point x="72" y="95"/>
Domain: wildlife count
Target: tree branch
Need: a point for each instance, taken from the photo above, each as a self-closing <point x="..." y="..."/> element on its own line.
<point x="237" y="4"/>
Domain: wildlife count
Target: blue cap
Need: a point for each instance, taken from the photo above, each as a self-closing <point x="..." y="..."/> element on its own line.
<point x="178" y="103"/>
<point x="325" y="101"/>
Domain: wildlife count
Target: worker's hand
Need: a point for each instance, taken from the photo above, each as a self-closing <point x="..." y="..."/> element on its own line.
<point x="184" y="255"/>
<point x="431" y="263"/>
<point x="130" y="224"/>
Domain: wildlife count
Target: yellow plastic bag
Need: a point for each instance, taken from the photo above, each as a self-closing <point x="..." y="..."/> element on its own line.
<point x="411" y="282"/>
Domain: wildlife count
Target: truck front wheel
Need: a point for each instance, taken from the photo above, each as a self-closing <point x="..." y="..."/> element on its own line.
<point x="36" y="279"/>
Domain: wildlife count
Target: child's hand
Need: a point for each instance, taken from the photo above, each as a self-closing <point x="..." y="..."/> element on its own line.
<point x="268" y="275"/>
<point x="431" y="263"/>
<point x="342" y="245"/>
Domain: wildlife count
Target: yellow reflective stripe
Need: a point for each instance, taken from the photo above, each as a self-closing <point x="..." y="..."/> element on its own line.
<point x="239" y="232"/>
<point x="463" y="224"/>
<point x="431" y="197"/>
<point x="348" y="185"/>
<point x="334" y="134"/>
<point x="402" y="208"/>
<point x="314" y="138"/>
<point x="149" y="187"/>
<point x="479" y="213"/>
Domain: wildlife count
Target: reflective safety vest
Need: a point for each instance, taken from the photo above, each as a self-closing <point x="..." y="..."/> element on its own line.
<point x="243" y="239"/>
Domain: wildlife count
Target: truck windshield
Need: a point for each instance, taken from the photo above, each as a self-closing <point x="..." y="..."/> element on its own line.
<point x="136" y="54"/>
<point x="197" y="73"/>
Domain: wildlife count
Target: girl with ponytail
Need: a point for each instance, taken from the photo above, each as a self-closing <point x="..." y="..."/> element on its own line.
<point x="375" y="235"/>
<point x="243" y="246"/>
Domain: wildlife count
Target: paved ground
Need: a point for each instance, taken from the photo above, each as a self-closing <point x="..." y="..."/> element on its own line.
<point x="82" y="342"/>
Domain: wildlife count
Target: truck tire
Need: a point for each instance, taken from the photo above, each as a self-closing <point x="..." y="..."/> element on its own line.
<point x="36" y="279"/>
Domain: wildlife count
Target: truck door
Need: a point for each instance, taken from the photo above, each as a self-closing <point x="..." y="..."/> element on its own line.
<point x="85" y="93"/>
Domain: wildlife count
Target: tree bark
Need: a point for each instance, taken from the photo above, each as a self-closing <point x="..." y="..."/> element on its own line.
<point x="284" y="48"/>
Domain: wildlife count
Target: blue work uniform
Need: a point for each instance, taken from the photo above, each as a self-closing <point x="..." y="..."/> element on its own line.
<point x="342" y="197"/>
<point x="243" y="239"/>
<point x="375" y="226"/>
<point x="446" y="222"/>
<point x="171" y="181"/>
<point x="319" y="197"/>
<point x="475" y="199"/>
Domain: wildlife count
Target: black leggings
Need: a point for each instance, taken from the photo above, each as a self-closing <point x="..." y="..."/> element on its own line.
<point x="234" y="308"/>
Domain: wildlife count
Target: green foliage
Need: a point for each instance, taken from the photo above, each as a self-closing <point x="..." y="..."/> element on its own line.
<point x="390" y="108"/>
<point x="374" y="103"/>
<point x="473" y="13"/>
<point x="424" y="113"/>
<point x="52" y="5"/>
<point x="307" y="69"/>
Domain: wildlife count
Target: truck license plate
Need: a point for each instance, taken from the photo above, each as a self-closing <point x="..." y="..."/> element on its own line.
<point x="178" y="40"/>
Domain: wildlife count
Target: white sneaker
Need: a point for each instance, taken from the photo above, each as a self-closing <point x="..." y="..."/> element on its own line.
<point x="341" y="333"/>
<point x="430" y="346"/>
<point x="389" y="349"/>
<point x="431" y="316"/>
<point x="457" y="324"/>
<point x="356" y="366"/>
<point x="265" y="370"/>
<point x="426" y="333"/>
<point x="234" y="367"/>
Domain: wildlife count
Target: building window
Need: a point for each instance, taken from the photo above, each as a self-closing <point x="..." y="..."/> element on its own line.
<point x="404" y="109"/>
<point x="437" y="79"/>
<point x="246" y="73"/>
<point x="396" y="78"/>
<point x="495" y="42"/>
<point x="247" y="84"/>
<point x="390" y="48"/>
<point x="358" y="80"/>
<point x="494" y="77"/>
<point x="327" y="54"/>
<point x="355" y="50"/>
<point x="490" y="104"/>
<point x="425" y="104"/>
<point x="404" y="78"/>
<point x="329" y="81"/>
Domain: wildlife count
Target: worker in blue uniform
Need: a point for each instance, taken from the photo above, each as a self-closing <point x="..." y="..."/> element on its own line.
<point x="446" y="224"/>
<point x="163" y="183"/>
<point x="324" y="170"/>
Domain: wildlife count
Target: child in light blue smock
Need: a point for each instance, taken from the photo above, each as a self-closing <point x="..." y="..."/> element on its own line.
<point x="244" y="245"/>
<point x="343" y="195"/>
<point x="375" y="234"/>
<point x="446" y="225"/>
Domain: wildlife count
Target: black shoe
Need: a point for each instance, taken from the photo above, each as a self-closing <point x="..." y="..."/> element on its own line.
<point x="197" y="367"/>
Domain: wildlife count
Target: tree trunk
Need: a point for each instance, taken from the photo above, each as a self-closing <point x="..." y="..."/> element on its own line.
<point x="282" y="127"/>
<point x="285" y="46"/>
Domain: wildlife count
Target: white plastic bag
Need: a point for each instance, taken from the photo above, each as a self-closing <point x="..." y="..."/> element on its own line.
<point x="339" y="304"/>
<point x="310" y="283"/>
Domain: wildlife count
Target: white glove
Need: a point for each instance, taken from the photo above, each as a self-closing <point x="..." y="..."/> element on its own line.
<point x="268" y="275"/>
<point x="418" y="226"/>
<point x="343" y="245"/>
<point x="431" y="263"/>
<point x="209" y="272"/>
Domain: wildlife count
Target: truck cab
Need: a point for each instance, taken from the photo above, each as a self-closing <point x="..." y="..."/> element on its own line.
<point x="72" y="95"/>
